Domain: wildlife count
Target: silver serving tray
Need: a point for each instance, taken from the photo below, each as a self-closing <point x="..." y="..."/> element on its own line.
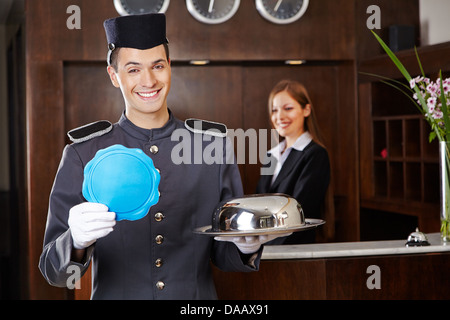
<point x="309" y="224"/>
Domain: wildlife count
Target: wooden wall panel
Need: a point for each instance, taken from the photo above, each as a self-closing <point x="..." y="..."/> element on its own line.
<point x="402" y="277"/>
<point x="48" y="37"/>
<point x="89" y="95"/>
<point x="275" y="280"/>
<point x="45" y="118"/>
<point x="319" y="35"/>
<point x="399" y="12"/>
<point x="345" y="172"/>
<point x="212" y="93"/>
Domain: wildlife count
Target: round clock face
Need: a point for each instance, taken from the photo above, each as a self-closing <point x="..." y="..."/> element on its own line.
<point x="212" y="11"/>
<point x="282" y="11"/>
<point x="127" y="7"/>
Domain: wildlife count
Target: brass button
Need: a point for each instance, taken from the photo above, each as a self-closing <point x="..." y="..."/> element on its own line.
<point x="154" y="149"/>
<point x="159" y="263"/>
<point x="159" y="239"/>
<point x="159" y="216"/>
<point x="160" y="285"/>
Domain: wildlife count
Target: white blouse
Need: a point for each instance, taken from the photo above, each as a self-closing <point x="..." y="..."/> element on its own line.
<point x="280" y="156"/>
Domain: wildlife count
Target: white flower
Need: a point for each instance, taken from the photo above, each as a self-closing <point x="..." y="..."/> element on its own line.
<point x="431" y="103"/>
<point x="416" y="80"/>
<point x="437" y="114"/>
<point x="446" y="87"/>
<point x="433" y="89"/>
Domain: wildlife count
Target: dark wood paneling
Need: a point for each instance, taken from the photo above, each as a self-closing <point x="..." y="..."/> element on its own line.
<point x="213" y="93"/>
<point x="399" y="12"/>
<point x="433" y="59"/>
<point x="402" y="277"/>
<point x="89" y="95"/>
<point x="48" y="37"/>
<point x="276" y="280"/>
<point x="45" y="118"/>
<point x="365" y="139"/>
<point x="320" y="34"/>
<point x="345" y="157"/>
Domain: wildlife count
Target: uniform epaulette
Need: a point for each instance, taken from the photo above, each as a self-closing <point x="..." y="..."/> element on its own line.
<point x="89" y="131"/>
<point x="206" y="127"/>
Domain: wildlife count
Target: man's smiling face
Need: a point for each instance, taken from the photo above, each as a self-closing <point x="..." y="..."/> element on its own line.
<point x="144" y="77"/>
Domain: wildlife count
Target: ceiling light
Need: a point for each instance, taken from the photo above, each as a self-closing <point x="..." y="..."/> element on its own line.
<point x="296" y="62"/>
<point x="199" y="62"/>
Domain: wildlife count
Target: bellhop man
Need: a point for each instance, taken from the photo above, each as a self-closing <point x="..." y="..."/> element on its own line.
<point x="157" y="256"/>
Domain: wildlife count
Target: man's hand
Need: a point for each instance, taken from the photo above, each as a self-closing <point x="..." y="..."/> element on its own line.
<point x="88" y="222"/>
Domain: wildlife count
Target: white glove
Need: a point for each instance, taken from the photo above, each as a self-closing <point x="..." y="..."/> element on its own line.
<point x="88" y="222"/>
<point x="251" y="244"/>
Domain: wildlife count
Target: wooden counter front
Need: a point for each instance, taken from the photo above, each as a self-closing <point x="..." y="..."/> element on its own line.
<point x="391" y="276"/>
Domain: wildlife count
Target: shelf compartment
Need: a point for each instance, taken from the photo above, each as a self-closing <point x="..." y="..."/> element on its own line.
<point x="395" y="180"/>
<point x="413" y="181"/>
<point x="412" y="129"/>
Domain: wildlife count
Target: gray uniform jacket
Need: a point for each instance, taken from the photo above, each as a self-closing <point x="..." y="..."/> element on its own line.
<point x="158" y="256"/>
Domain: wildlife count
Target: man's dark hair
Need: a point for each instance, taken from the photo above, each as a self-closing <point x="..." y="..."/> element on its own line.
<point x="115" y="55"/>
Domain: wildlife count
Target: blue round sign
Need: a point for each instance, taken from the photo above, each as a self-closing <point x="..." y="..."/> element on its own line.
<point x="123" y="179"/>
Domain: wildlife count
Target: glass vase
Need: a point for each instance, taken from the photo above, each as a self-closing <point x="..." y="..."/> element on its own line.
<point x="444" y="173"/>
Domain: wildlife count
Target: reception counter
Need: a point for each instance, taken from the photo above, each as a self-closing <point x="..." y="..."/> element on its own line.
<point x="352" y="249"/>
<point x="348" y="270"/>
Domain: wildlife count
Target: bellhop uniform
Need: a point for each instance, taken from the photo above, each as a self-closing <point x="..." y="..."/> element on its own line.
<point x="304" y="174"/>
<point x="158" y="256"/>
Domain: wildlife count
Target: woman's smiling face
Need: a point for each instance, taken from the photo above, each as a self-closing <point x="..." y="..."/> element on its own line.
<point x="288" y="116"/>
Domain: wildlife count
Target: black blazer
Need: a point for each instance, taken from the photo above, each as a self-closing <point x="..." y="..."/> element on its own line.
<point x="305" y="175"/>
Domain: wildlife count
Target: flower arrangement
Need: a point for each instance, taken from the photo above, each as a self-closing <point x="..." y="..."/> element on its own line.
<point x="435" y="94"/>
<point x="432" y="99"/>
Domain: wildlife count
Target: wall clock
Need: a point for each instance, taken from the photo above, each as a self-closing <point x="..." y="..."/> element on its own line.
<point x="282" y="11"/>
<point x="127" y="7"/>
<point x="212" y="11"/>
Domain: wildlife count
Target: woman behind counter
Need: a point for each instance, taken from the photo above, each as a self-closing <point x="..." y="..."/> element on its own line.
<point x="302" y="164"/>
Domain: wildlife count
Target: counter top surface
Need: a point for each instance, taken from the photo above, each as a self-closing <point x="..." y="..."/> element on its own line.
<point x="352" y="249"/>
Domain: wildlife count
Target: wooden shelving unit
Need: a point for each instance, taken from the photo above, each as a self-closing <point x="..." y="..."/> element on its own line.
<point x="402" y="174"/>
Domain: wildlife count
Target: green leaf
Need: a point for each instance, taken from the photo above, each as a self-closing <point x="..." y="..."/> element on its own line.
<point x="393" y="57"/>
<point x="418" y="61"/>
<point x="432" y="136"/>
<point x="388" y="79"/>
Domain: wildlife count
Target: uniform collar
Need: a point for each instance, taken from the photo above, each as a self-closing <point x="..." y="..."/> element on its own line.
<point x="299" y="145"/>
<point x="148" y="134"/>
